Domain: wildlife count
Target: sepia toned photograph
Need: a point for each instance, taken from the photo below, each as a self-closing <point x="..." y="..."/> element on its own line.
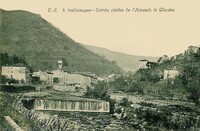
<point x="69" y="65"/>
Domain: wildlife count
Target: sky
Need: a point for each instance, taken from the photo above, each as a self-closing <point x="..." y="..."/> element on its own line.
<point x="137" y="33"/>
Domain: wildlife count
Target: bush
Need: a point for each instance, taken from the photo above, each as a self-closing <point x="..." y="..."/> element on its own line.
<point x="101" y="92"/>
<point x="49" y="87"/>
<point x="3" y="79"/>
<point x="125" y="102"/>
<point x="13" y="88"/>
<point x="135" y="87"/>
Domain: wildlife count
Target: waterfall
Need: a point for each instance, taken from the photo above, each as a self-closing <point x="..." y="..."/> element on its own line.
<point x="77" y="106"/>
<point x="71" y="105"/>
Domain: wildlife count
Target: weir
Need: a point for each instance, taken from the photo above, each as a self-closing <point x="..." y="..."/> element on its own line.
<point x="85" y="105"/>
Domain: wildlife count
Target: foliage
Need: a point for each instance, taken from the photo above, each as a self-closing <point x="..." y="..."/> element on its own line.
<point x="65" y="62"/>
<point x="6" y="59"/>
<point x="186" y="84"/>
<point x="152" y="64"/>
<point x="149" y="75"/>
<point x="56" y="80"/>
<point x="35" y="80"/>
<point x="100" y="91"/>
<point x="14" y="88"/>
<point x="3" y="79"/>
<point x="125" y="102"/>
<point x="35" y="123"/>
<point x="164" y="117"/>
<point x="190" y="80"/>
<point x="126" y="84"/>
<point x="29" y="35"/>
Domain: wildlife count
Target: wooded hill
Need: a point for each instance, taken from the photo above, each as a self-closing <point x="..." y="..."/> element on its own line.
<point x="181" y="62"/>
<point x="184" y="86"/>
<point x="29" y="35"/>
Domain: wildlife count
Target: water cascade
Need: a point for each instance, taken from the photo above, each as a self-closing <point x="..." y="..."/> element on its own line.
<point x="71" y="105"/>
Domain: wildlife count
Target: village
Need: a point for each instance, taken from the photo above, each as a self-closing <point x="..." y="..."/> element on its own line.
<point x="59" y="91"/>
<point x="72" y="81"/>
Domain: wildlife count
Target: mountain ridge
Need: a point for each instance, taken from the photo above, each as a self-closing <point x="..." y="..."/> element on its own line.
<point x="126" y="61"/>
<point x="29" y="35"/>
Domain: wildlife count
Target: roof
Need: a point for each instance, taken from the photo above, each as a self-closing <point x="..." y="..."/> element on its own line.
<point x="14" y="67"/>
<point x="143" y="60"/>
<point x="49" y="72"/>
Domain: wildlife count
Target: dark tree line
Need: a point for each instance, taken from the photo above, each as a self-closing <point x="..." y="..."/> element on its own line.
<point x="6" y="59"/>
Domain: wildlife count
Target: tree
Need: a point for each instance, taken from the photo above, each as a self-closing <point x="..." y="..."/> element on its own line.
<point x="65" y="62"/>
<point x="135" y="87"/>
<point x="190" y="80"/>
<point x="100" y="91"/>
<point x="3" y="79"/>
<point x="149" y="75"/>
<point x="114" y="62"/>
<point x="4" y="59"/>
<point x="152" y="64"/>
<point x="125" y="102"/>
<point x="121" y="83"/>
<point x="15" y="59"/>
<point x="56" y="80"/>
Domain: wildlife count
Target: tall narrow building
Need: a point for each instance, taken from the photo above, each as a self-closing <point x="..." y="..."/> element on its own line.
<point x="60" y="64"/>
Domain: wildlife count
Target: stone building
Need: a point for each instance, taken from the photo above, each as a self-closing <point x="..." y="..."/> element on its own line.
<point x="63" y="78"/>
<point x="18" y="73"/>
<point x="44" y="77"/>
<point x="170" y="73"/>
<point x="143" y="64"/>
<point x="59" y="77"/>
<point x="78" y="80"/>
<point x="71" y="79"/>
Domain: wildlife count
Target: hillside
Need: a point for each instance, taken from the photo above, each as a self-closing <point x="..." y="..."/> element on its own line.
<point x="176" y="77"/>
<point x="125" y="61"/>
<point x="29" y="35"/>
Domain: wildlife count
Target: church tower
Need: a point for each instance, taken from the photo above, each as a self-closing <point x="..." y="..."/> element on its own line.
<point x="60" y="64"/>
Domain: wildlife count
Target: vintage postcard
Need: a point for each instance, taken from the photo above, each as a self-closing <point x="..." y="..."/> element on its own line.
<point x="69" y="65"/>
